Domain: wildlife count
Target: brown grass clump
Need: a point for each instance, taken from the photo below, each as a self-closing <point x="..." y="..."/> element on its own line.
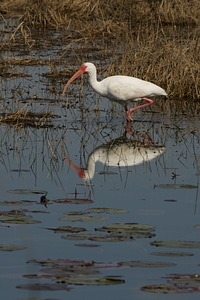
<point x="180" y="12"/>
<point x="40" y="13"/>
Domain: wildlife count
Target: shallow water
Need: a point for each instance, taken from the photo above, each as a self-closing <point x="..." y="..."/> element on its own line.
<point x="161" y="192"/>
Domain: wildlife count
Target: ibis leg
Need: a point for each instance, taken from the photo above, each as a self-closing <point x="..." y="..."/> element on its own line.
<point x="129" y="112"/>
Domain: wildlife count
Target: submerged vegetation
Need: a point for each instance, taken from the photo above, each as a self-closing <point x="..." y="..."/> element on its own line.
<point x="154" y="40"/>
<point x="25" y="118"/>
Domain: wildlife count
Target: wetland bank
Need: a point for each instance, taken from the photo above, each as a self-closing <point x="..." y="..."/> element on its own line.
<point x="132" y="230"/>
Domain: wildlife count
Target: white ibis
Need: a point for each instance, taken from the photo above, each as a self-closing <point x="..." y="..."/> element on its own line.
<point x="121" y="89"/>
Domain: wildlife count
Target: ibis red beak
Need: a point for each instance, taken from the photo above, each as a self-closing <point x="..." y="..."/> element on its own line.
<point x="77" y="74"/>
<point x="80" y="172"/>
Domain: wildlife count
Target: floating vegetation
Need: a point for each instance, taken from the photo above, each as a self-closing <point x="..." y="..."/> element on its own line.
<point x="116" y="232"/>
<point x="107" y="210"/>
<point x="80" y="272"/>
<point x="126" y="227"/>
<point x="73" y="201"/>
<point x="75" y="272"/>
<point x="44" y="200"/>
<point x="170" y="289"/>
<point x="175" y="186"/>
<point x="26" y="191"/>
<point x="131" y="230"/>
<point x="26" y="118"/>
<point x="173" y="254"/>
<point x="82" y="218"/>
<point x="44" y="287"/>
<point x="104" y="280"/>
<point x="147" y="264"/>
<point x="17" y="217"/>
<point x="176" y="244"/>
<point x="99" y="237"/>
<point x="197" y="226"/>
<point x="67" y="229"/>
<point x="11" y="248"/>
<point x="97" y="210"/>
<point x="68" y="264"/>
<point x="177" y="283"/>
<point x="17" y="202"/>
<point x="184" y="279"/>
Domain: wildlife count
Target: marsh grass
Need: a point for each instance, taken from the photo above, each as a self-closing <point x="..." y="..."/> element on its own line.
<point x="106" y="14"/>
<point x="173" y="64"/>
<point x="153" y="40"/>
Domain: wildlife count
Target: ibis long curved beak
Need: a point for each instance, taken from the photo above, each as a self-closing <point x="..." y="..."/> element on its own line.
<point x="80" y="172"/>
<point x="77" y="74"/>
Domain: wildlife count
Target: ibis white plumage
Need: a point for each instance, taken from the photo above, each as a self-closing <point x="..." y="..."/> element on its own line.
<point x="119" y="88"/>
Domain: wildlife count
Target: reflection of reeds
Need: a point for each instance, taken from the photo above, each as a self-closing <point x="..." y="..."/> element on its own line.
<point x="31" y="152"/>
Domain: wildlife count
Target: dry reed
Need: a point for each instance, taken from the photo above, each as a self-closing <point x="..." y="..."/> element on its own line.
<point x="154" y="40"/>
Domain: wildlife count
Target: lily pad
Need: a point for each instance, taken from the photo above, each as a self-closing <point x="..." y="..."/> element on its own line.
<point x="67" y="229"/>
<point x="76" y="213"/>
<point x="73" y="272"/>
<point x="173" y="254"/>
<point x="17" y="217"/>
<point x="11" y="248"/>
<point x="147" y="264"/>
<point x="197" y="226"/>
<point x="170" y="289"/>
<point x="184" y="279"/>
<point x="107" y="210"/>
<point x="21" y="220"/>
<point x="82" y="218"/>
<point x="17" y="203"/>
<point x="78" y="277"/>
<point x="126" y="227"/>
<point x="26" y="191"/>
<point x="73" y="201"/>
<point x="134" y="230"/>
<point x="175" y="186"/>
<point x="44" y="287"/>
<point x="176" y="244"/>
<point x="90" y="280"/>
<point x="99" y="237"/>
<point x="71" y="265"/>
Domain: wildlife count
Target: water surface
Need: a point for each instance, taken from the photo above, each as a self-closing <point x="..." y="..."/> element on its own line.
<point x="73" y="157"/>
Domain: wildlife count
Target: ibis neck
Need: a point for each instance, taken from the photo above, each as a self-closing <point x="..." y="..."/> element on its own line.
<point x="96" y="85"/>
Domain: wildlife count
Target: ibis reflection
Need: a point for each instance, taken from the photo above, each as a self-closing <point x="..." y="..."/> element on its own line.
<point x="120" y="152"/>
